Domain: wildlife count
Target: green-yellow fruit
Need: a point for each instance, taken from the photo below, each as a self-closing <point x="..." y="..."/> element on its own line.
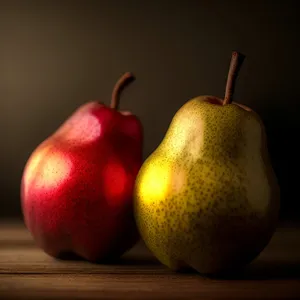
<point x="207" y="197"/>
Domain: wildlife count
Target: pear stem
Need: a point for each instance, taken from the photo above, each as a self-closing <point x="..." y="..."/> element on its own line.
<point x="234" y="68"/>
<point x="119" y="86"/>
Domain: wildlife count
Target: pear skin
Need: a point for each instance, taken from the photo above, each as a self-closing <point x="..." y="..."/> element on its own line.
<point x="77" y="185"/>
<point x="207" y="198"/>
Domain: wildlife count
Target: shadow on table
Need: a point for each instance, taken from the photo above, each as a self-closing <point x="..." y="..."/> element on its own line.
<point x="264" y="270"/>
<point x="139" y="255"/>
<point x="122" y="261"/>
<point x="259" y="269"/>
<point x="272" y="270"/>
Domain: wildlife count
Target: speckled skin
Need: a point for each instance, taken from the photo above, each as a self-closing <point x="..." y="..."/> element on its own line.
<point x="207" y="197"/>
<point x="77" y="185"/>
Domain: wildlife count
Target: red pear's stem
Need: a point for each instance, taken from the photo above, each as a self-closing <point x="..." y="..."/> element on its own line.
<point x="235" y="65"/>
<point x="119" y="86"/>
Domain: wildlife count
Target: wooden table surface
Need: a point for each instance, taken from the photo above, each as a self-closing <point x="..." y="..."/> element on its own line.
<point x="26" y="272"/>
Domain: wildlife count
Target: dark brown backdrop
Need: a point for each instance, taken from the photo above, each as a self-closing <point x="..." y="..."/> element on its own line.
<point x="56" y="55"/>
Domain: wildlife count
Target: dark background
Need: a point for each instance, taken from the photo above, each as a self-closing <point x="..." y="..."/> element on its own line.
<point x="56" y="55"/>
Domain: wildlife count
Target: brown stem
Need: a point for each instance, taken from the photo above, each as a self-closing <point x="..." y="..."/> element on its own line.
<point x="119" y="86"/>
<point x="235" y="65"/>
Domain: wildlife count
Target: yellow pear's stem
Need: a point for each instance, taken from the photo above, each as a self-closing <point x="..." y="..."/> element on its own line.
<point x="119" y="86"/>
<point x="235" y="65"/>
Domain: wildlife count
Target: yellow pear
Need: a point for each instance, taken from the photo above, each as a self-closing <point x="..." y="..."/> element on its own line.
<point x="207" y="198"/>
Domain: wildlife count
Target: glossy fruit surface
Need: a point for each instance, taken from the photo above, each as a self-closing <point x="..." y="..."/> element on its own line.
<point x="77" y="185"/>
<point x="208" y="197"/>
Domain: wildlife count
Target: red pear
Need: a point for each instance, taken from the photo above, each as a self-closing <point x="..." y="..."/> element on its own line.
<point x="77" y="186"/>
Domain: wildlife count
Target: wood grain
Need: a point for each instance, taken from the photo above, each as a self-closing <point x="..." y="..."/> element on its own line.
<point x="26" y="272"/>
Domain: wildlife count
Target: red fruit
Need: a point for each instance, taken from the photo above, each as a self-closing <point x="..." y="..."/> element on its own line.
<point x="77" y="186"/>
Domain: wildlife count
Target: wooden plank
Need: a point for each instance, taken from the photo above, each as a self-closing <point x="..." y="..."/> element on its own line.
<point x="14" y="233"/>
<point x="33" y="260"/>
<point x="111" y="286"/>
<point x="26" y="272"/>
<point x="20" y="255"/>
